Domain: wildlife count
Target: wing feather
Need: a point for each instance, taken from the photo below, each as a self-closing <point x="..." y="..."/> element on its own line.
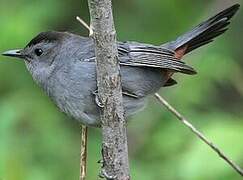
<point x="136" y="54"/>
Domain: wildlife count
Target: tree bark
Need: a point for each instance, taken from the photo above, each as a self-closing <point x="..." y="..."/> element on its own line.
<point x="114" y="143"/>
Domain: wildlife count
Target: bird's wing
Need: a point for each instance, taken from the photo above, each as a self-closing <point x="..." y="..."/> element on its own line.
<point x="136" y="54"/>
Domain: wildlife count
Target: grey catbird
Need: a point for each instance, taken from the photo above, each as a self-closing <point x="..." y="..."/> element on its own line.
<point x="63" y="65"/>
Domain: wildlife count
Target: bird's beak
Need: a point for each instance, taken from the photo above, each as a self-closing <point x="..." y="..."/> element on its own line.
<point x="14" y="53"/>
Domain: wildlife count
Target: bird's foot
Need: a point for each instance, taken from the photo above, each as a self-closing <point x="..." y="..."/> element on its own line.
<point x="97" y="99"/>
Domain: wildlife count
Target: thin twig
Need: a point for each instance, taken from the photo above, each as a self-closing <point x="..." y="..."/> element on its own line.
<point x="199" y="134"/>
<point x="91" y="32"/>
<point x="83" y="152"/>
<point x="84" y="129"/>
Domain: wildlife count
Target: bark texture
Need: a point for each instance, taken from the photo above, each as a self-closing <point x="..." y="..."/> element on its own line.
<point x="114" y="144"/>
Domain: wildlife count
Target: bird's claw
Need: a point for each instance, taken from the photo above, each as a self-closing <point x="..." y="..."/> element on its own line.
<point x="103" y="174"/>
<point x="101" y="161"/>
<point x="97" y="99"/>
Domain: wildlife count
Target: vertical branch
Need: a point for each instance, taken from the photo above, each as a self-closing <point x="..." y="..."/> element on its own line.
<point x="114" y="143"/>
<point x="83" y="152"/>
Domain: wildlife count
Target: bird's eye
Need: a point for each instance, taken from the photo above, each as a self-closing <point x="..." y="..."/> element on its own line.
<point x="38" y="52"/>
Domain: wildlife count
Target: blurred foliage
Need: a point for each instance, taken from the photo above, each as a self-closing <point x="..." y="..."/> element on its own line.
<point x="38" y="142"/>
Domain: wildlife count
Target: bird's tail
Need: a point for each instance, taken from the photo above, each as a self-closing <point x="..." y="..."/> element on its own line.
<point x="204" y="33"/>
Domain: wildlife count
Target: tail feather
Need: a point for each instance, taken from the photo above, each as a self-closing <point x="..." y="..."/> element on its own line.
<point x="205" y="32"/>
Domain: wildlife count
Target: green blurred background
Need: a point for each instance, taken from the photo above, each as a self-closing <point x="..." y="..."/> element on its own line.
<point x="37" y="142"/>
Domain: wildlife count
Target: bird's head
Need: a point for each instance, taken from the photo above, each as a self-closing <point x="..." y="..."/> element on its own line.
<point x="41" y="54"/>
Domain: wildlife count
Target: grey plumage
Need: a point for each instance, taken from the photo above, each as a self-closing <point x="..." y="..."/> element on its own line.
<point x="63" y="64"/>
